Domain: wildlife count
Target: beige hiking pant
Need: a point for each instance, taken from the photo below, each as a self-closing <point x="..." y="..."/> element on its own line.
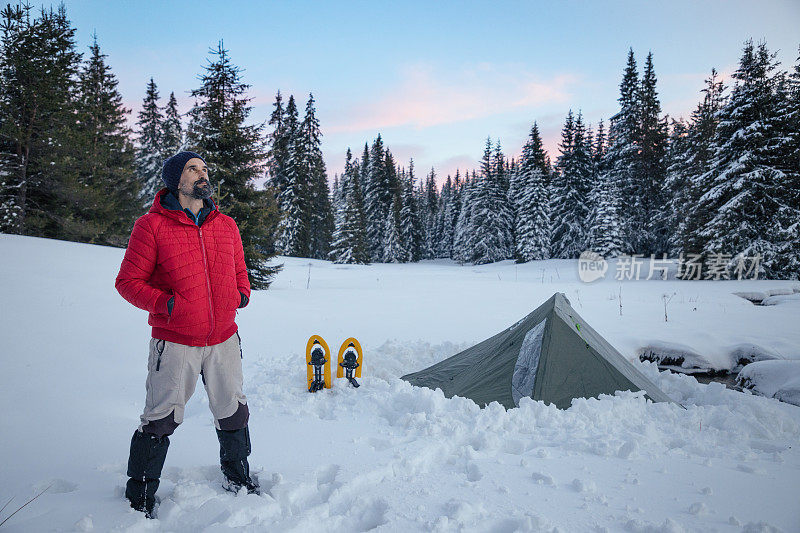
<point x="172" y="371"/>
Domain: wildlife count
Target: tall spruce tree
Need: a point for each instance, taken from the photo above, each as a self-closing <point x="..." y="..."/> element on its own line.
<point x="621" y="162"/>
<point x="103" y="188"/>
<point x="532" y="201"/>
<point x="604" y="232"/>
<point x="753" y="212"/>
<point x="790" y="150"/>
<point x="38" y="69"/>
<point x="571" y="190"/>
<point x="394" y="250"/>
<point x="443" y="229"/>
<point x="336" y="196"/>
<point x="463" y="239"/>
<point x="278" y="152"/>
<point x="293" y="191"/>
<point x="428" y="215"/>
<point x="234" y="152"/>
<point x="688" y="160"/>
<point x="492" y="218"/>
<point x="377" y="196"/>
<point x="149" y="149"/>
<point x="793" y="116"/>
<point x="410" y="224"/>
<point x="349" y="241"/>
<point x="171" y="129"/>
<point x="451" y="208"/>
<point x="320" y="214"/>
<point x="652" y="236"/>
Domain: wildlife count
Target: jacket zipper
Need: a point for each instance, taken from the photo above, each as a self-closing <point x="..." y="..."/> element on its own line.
<point x="208" y="284"/>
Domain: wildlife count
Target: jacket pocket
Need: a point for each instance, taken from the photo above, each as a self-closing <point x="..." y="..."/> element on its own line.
<point x="160" y="343"/>
<point x="177" y="309"/>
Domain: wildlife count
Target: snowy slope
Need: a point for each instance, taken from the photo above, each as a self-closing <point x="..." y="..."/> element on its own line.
<point x="389" y="455"/>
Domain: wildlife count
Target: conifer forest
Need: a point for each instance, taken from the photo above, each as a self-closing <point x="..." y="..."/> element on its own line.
<point x="725" y="180"/>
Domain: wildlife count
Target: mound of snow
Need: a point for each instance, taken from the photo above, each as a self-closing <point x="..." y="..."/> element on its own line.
<point x="746" y="353"/>
<point x="781" y="292"/>
<point x="753" y="296"/>
<point x="773" y="379"/>
<point x="681" y="357"/>
<point x="782" y="299"/>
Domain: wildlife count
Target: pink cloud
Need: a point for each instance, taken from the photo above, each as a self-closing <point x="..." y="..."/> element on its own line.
<point x="426" y="97"/>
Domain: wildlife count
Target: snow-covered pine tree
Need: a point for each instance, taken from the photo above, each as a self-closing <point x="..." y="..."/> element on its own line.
<point x="410" y="221"/>
<point x="753" y="212"/>
<point x="492" y="217"/>
<point x="104" y="188"/>
<point x="336" y="196"/>
<point x="688" y="179"/>
<point x="790" y="147"/>
<point x="652" y="236"/>
<point x="278" y="152"/>
<point x="571" y="190"/>
<point x="532" y="202"/>
<point x="234" y="153"/>
<point x="621" y="161"/>
<point x="599" y="148"/>
<point x="450" y="218"/>
<point x="393" y="181"/>
<point x="149" y="149"/>
<point x="463" y="234"/>
<point x="38" y="67"/>
<point x="349" y="241"/>
<point x="171" y="129"/>
<point x="793" y="117"/>
<point x="677" y="184"/>
<point x="588" y="142"/>
<point x="500" y="166"/>
<point x="377" y="198"/>
<point x="364" y="168"/>
<point x="394" y="249"/>
<point x="443" y="234"/>
<point x="604" y="236"/>
<point x="320" y="215"/>
<point x="557" y="183"/>
<point x="429" y="212"/>
<point x="293" y="238"/>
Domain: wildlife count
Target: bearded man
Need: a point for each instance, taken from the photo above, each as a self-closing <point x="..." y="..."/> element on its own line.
<point x="185" y="266"/>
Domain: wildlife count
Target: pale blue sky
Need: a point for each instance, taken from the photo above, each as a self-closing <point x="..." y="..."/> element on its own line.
<point x="434" y="78"/>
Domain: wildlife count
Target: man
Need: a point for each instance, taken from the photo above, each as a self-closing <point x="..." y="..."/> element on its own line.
<point x="185" y="265"/>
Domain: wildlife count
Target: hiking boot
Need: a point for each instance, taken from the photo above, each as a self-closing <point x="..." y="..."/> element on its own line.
<point x="251" y="485"/>
<point x="145" y="462"/>
<point x="234" y="447"/>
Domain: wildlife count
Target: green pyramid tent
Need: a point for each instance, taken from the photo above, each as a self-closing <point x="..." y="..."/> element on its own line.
<point x="551" y="355"/>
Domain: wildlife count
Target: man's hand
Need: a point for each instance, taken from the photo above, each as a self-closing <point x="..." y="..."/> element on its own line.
<point x="243" y="300"/>
<point x="170" y="304"/>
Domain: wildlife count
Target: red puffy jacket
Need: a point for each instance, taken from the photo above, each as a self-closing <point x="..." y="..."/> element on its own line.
<point x="202" y="267"/>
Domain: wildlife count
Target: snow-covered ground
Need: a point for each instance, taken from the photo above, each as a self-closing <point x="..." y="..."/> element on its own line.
<point x="388" y="455"/>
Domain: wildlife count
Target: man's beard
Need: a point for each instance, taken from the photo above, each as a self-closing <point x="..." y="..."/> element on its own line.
<point x="201" y="190"/>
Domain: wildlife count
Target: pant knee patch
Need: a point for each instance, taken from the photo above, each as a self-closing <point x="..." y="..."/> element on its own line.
<point x="162" y="426"/>
<point x="237" y="420"/>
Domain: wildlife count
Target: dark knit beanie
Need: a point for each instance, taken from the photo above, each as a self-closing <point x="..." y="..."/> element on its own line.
<point x="173" y="168"/>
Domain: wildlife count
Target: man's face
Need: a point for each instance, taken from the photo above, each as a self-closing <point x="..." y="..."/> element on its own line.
<point x="194" y="181"/>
